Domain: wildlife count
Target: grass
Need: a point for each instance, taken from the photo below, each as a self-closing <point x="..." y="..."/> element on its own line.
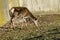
<point x="48" y="29"/>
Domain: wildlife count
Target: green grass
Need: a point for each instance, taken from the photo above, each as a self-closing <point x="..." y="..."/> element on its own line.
<point x="48" y="29"/>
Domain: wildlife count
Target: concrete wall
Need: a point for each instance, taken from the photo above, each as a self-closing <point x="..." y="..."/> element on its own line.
<point x="4" y="12"/>
<point x="41" y="5"/>
<point x="13" y="3"/>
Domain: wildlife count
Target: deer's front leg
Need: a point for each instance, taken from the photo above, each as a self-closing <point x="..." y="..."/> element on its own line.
<point x="35" y="22"/>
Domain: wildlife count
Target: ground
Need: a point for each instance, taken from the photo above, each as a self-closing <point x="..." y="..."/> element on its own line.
<point x="48" y="29"/>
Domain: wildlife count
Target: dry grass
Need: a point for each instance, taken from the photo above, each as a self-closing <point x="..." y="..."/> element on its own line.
<point x="48" y="29"/>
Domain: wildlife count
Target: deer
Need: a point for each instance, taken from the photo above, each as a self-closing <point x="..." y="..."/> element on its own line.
<point x="24" y="13"/>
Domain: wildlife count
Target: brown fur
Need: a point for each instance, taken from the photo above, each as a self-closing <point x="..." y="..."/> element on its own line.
<point x="22" y="12"/>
